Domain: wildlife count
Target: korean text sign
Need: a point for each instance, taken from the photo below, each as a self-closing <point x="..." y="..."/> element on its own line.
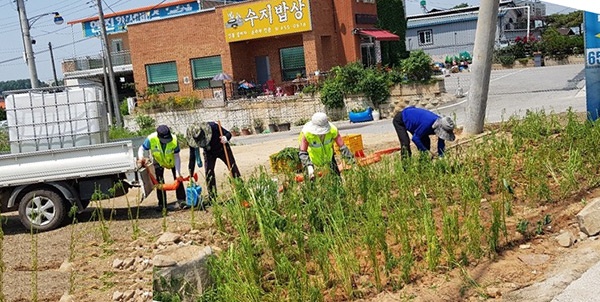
<point x="592" y="66"/>
<point x="266" y="19"/>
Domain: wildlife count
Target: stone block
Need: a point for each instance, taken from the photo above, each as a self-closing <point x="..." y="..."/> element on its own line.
<point x="589" y="218"/>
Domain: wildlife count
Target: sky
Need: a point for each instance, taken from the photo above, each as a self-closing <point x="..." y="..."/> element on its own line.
<point x="68" y="41"/>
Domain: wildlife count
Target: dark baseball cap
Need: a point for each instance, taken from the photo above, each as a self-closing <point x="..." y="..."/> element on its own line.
<point x="164" y="134"/>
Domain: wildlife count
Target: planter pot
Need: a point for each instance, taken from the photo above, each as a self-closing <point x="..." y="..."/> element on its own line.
<point x="273" y="128"/>
<point x="246" y="131"/>
<point x="376" y="115"/>
<point x="284" y="127"/>
<point x="235" y="133"/>
<point x="258" y="130"/>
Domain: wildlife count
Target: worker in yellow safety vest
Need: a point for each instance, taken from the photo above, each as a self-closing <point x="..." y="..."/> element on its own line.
<point x="316" y="145"/>
<point x="164" y="150"/>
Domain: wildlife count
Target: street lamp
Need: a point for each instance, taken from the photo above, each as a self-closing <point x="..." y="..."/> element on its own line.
<point x="28" y="44"/>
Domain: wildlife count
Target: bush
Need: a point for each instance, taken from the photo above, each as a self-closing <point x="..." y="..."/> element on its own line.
<point x="417" y="67"/>
<point x="523" y="61"/>
<point x="332" y="93"/>
<point x="146" y="124"/>
<point x="2" y="114"/>
<point x="376" y="86"/>
<point x="120" y="132"/>
<point x="4" y="145"/>
<point x="507" y="60"/>
<point x="349" y="76"/>
<point x="124" y="108"/>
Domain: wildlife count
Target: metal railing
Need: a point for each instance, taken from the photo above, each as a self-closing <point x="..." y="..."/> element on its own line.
<point x="95" y="62"/>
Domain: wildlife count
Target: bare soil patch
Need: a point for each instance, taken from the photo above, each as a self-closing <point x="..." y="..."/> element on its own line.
<point x="94" y="278"/>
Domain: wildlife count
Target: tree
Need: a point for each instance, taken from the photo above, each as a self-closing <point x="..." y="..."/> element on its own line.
<point x="390" y="14"/>
<point x="18" y="84"/>
<point x="462" y="5"/>
<point x="573" y="19"/>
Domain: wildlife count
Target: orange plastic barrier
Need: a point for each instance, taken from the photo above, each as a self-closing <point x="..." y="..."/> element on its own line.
<point x="387" y="151"/>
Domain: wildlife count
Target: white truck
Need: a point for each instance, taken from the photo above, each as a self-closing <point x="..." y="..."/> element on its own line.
<point x="60" y="155"/>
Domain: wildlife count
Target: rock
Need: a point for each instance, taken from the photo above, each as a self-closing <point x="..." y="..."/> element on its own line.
<point x="117" y="296"/>
<point x="66" y="298"/>
<point x="565" y="239"/>
<point x="128" y="262"/>
<point x="128" y="294"/>
<point x="191" y="270"/>
<point x="117" y="263"/>
<point x="66" y="267"/>
<point x="493" y="292"/>
<point x="582" y="236"/>
<point x="525" y="246"/>
<point x="163" y="261"/>
<point x="589" y="218"/>
<point x="194" y="232"/>
<point x="168" y="238"/>
<point x="534" y="259"/>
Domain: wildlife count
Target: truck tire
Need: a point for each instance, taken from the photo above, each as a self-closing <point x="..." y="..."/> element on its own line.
<point x="42" y="210"/>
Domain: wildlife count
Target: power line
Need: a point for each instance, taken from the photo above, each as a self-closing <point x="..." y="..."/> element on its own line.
<point x="46" y="50"/>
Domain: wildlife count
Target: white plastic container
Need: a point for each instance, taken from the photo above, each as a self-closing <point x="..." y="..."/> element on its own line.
<point x="54" y="118"/>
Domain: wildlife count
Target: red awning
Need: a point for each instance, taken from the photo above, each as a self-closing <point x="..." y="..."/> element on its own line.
<point x="379" y="34"/>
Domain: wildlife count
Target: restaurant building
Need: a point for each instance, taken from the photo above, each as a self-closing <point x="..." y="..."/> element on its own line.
<point x="179" y="47"/>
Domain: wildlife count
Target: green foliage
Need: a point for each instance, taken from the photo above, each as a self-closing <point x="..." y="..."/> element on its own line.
<point x="310" y="89"/>
<point x="4" y="145"/>
<point x="120" y="133"/>
<point x="146" y="124"/>
<point x="376" y="86"/>
<point x="507" y="60"/>
<point x="18" y="84"/>
<point x="417" y="67"/>
<point x="390" y="16"/>
<point x="124" y="108"/>
<point x="2" y="114"/>
<point x="573" y="19"/>
<point x="462" y="5"/>
<point x="559" y="47"/>
<point x="332" y="93"/>
<point x="349" y="76"/>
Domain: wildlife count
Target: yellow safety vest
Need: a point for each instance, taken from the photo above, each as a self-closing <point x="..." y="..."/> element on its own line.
<point x="165" y="158"/>
<point x="320" y="152"/>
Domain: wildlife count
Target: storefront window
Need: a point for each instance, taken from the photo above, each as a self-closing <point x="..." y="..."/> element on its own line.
<point x="292" y="62"/>
<point x="163" y="76"/>
<point x="204" y="69"/>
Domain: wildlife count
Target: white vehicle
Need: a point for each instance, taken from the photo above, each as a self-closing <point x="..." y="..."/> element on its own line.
<point x="60" y="155"/>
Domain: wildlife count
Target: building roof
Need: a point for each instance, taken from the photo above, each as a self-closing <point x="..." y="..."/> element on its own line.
<point x="470" y="9"/>
<point x="566" y="31"/>
<point x="445" y="19"/>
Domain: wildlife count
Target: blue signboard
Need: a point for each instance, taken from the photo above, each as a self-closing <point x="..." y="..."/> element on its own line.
<point x="592" y="66"/>
<point x="118" y="23"/>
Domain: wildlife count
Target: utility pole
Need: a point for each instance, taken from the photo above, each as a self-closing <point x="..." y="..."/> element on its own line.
<point x="106" y="93"/>
<point x="111" y="73"/>
<point x="487" y="21"/>
<point x="28" y="45"/>
<point x="53" y="65"/>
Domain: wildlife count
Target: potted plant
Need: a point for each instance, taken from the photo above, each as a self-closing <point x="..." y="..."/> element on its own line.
<point x="246" y="130"/>
<point x="285" y="126"/>
<point x="235" y="130"/>
<point x="273" y="121"/>
<point x="259" y="125"/>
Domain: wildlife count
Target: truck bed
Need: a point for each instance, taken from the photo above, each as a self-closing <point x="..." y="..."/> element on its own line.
<point x="66" y="163"/>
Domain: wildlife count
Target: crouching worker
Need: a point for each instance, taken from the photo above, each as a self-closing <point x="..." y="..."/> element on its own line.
<point x="316" y="145"/>
<point x="216" y="146"/>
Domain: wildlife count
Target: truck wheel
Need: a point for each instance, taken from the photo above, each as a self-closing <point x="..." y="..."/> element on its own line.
<point x="42" y="210"/>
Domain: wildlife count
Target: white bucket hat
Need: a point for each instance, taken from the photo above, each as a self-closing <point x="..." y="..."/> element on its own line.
<point x="318" y="125"/>
<point x="444" y="128"/>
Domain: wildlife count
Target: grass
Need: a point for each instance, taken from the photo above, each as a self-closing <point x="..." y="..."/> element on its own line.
<point x="396" y="220"/>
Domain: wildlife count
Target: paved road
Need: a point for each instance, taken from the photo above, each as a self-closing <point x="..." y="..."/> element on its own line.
<point x="512" y="92"/>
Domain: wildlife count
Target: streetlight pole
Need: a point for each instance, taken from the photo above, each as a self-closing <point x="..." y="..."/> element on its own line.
<point x="111" y="73"/>
<point x="28" y="45"/>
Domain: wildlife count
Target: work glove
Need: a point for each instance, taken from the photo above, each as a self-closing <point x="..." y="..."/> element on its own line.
<point x="311" y="172"/>
<point x="347" y="154"/>
<point x="223" y="139"/>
